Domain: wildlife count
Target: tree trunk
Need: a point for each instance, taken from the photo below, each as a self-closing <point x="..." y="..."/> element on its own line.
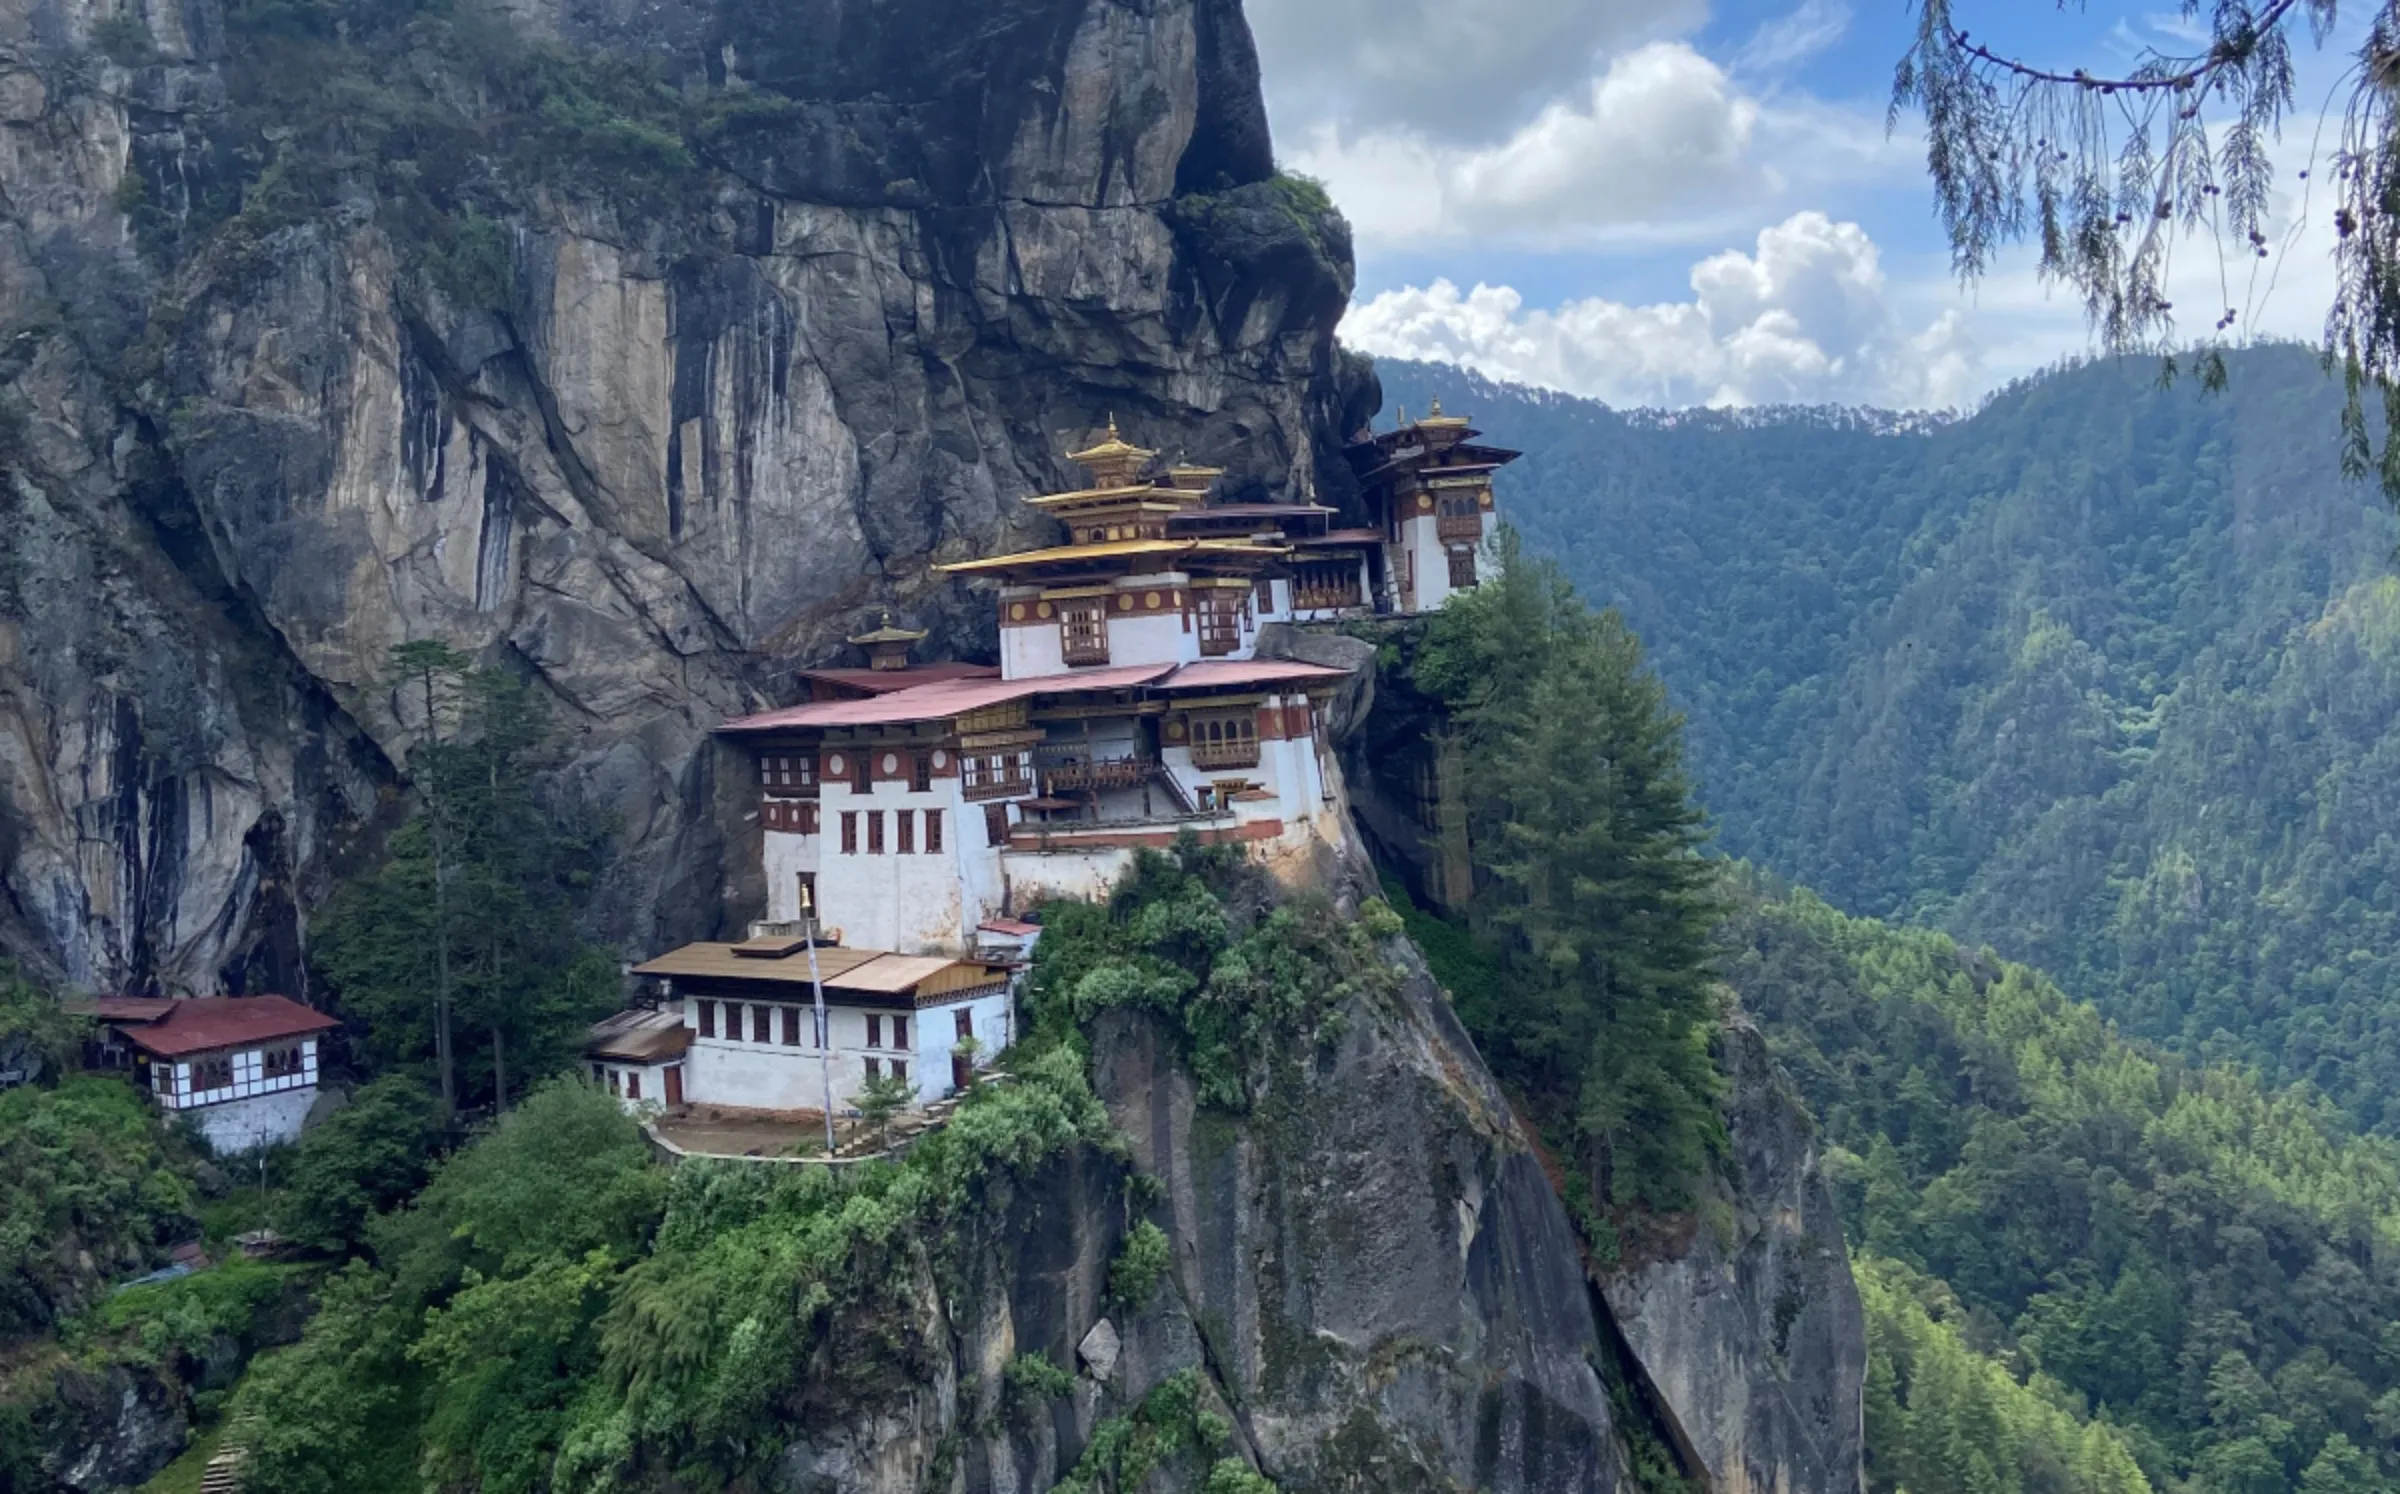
<point x="499" y="1071"/>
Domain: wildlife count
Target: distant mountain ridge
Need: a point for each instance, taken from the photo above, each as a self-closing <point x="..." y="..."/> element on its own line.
<point x="2103" y="674"/>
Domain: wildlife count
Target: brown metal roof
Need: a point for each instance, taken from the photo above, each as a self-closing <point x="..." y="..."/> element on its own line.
<point x="891" y="974"/>
<point x="639" y="1037"/>
<point x="842" y="969"/>
<point x="720" y="961"/>
<point x="207" y="1022"/>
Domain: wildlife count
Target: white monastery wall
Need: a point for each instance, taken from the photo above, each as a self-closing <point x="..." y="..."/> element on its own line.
<point x="1149" y="638"/>
<point x="937" y="1039"/>
<point x="788" y="856"/>
<point x="1428" y="560"/>
<point x="1026" y="652"/>
<point x="639" y="1088"/>
<point x="912" y="903"/>
<point x="259" y="1120"/>
<point x="1037" y="877"/>
<point x="783" y="1076"/>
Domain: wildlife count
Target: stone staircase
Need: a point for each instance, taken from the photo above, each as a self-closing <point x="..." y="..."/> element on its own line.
<point x="227" y="1472"/>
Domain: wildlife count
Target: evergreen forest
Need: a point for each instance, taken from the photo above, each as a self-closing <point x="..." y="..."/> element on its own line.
<point x="2102" y="675"/>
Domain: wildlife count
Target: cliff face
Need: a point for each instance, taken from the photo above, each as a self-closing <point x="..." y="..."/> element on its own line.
<point x="653" y="450"/>
<point x="1369" y="1278"/>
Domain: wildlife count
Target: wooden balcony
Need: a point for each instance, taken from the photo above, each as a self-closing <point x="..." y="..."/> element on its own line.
<point x="1242" y="753"/>
<point x="1459" y="526"/>
<point x="1105" y="773"/>
<point x="1080" y="648"/>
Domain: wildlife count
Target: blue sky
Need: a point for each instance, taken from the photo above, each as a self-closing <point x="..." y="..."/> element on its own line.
<point x="1698" y="201"/>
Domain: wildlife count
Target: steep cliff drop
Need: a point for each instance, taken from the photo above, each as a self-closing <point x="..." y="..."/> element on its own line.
<point x="650" y="442"/>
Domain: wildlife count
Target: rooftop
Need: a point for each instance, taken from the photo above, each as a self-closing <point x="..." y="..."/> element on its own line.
<point x="639" y="1036"/>
<point x="208" y="1022"/>
<point x="122" y="1008"/>
<point x="943" y="699"/>
<point x="885" y="681"/>
<point x="1217" y="673"/>
<point x="859" y="971"/>
<point x="1113" y="550"/>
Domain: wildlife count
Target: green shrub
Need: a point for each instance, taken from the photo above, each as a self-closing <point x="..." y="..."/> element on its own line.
<point x="1033" y="1379"/>
<point x="1193" y="938"/>
<point x="1141" y="1262"/>
<point x="91" y="1185"/>
<point x="1233" y="1476"/>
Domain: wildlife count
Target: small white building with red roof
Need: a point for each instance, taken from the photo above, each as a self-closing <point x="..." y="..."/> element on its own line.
<point x="243" y="1068"/>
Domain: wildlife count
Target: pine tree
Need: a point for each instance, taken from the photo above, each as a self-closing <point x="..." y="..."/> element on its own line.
<point x="472" y="916"/>
<point x="1589" y="878"/>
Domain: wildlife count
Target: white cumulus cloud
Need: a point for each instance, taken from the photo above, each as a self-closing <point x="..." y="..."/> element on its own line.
<point x="1451" y="70"/>
<point x="1661" y="144"/>
<point x="1806" y="318"/>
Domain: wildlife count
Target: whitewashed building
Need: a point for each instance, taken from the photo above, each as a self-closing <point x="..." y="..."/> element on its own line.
<point x="243" y="1068"/>
<point x="754" y="1042"/>
<point x="910" y="817"/>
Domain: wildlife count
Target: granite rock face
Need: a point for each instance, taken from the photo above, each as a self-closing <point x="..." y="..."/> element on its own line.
<point x="1751" y="1334"/>
<point x="686" y="454"/>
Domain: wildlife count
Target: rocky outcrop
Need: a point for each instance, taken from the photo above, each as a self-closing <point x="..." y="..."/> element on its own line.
<point x="1750" y="1330"/>
<point x="1381" y="1274"/>
<point x="666" y="454"/>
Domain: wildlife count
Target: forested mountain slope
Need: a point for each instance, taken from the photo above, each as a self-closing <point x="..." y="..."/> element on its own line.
<point x="2202" y="1264"/>
<point x="2103" y="675"/>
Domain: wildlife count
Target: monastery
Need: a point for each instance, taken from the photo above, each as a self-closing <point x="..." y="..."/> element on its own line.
<point x="911" y="815"/>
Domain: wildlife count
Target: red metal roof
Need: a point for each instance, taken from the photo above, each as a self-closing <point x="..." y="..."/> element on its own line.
<point x="943" y="699"/>
<point x="888" y="681"/>
<point x="1016" y="926"/>
<point x="207" y="1022"/>
<point x="1341" y="537"/>
<point x="1216" y="672"/>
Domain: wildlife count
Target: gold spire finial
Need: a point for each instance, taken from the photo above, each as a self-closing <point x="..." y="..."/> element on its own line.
<point x="1112" y="427"/>
<point x="1436" y="411"/>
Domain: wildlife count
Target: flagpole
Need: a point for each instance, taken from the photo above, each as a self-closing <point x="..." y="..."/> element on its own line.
<point x="808" y="927"/>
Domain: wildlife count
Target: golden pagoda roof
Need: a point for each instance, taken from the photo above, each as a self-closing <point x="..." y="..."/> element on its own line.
<point x="889" y="634"/>
<point x="1115" y="449"/>
<point x="1436" y="418"/>
<point x="1134" y="495"/>
<point x="1113" y="550"/>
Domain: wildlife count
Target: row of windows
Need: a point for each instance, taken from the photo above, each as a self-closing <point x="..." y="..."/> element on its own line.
<point x="854" y="766"/>
<point x="795" y="1027"/>
<point x="904" y="831"/>
<point x="796" y="815"/>
<point x="875" y="1068"/>
<point x="788" y="770"/>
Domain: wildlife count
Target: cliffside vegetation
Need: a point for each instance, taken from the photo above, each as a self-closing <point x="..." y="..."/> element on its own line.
<point x="1586" y="979"/>
<point x="2102" y="675"/>
<point x="460" y="950"/>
